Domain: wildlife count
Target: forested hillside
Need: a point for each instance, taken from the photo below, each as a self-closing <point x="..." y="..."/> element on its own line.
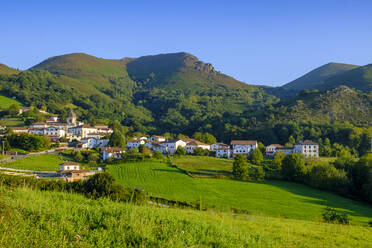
<point x="177" y="93"/>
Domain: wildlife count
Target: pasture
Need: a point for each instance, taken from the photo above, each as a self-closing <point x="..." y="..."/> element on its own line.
<point x="5" y="102"/>
<point x="45" y="162"/>
<point x="266" y="198"/>
<point x="69" y="220"/>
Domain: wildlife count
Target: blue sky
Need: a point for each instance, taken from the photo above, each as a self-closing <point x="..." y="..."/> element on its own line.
<point x="258" y="42"/>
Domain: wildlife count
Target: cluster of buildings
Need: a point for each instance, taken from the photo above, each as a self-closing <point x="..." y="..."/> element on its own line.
<point x="71" y="171"/>
<point x="221" y="150"/>
<point x="72" y="129"/>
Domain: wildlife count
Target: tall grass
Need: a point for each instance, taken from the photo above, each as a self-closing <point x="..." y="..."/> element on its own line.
<point x="50" y="219"/>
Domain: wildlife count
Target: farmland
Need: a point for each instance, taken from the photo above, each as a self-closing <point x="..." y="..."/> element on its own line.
<point x="5" y="102"/>
<point x="268" y="198"/>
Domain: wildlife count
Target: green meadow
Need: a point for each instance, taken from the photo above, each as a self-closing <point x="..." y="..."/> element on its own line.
<point x="53" y="219"/>
<point x="45" y="162"/>
<point x="267" y="198"/>
<point x="5" y="102"/>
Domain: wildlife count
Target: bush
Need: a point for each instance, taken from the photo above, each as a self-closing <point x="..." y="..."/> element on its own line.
<point x="327" y="177"/>
<point x="294" y="168"/>
<point x="255" y="157"/>
<point x="256" y="172"/>
<point x="180" y="151"/>
<point x="240" y="167"/>
<point x="198" y="151"/>
<point x="158" y="155"/>
<point x="330" y="215"/>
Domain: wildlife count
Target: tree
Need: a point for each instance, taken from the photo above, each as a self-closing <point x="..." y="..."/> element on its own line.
<point x="278" y="160"/>
<point x="255" y="156"/>
<point x="256" y="172"/>
<point x="294" y="167"/>
<point x="240" y="167"/>
<point x="180" y="151"/>
<point x="117" y="139"/>
<point x="209" y="138"/>
<point x="158" y="155"/>
<point x="78" y="156"/>
<point x="99" y="185"/>
<point x="262" y="147"/>
<point x="144" y="150"/>
<point x="198" y="136"/>
<point x="291" y="141"/>
<point x="198" y="151"/>
<point x="13" y="109"/>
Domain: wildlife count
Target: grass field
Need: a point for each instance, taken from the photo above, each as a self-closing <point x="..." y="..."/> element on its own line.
<point x="46" y="162"/>
<point x="69" y="220"/>
<point x="12" y="122"/>
<point x="204" y="166"/>
<point x="269" y="198"/>
<point x="5" y="102"/>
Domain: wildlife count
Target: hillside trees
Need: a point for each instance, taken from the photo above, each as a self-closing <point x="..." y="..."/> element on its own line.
<point x="293" y="167"/>
<point x="117" y="139"/>
<point x="240" y="167"/>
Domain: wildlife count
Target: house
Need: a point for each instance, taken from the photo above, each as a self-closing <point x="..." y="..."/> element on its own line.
<point x="53" y="118"/>
<point x="20" y="129"/>
<point x="307" y="148"/>
<point x="71" y="171"/>
<point x="159" y="147"/>
<point x="223" y="152"/>
<point x="215" y="146"/>
<point x="134" y="143"/>
<point x="54" y="131"/>
<point x="156" y="138"/>
<point x="93" y="142"/>
<point x="39" y="125"/>
<point x="190" y="146"/>
<point x="243" y="146"/>
<point x="103" y="129"/>
<point x="23" y="110"/>
<point x="285" y="150"/>
<point x="39" y="131"/>
<point x="111" y="152"/>
<point x="68" y="165"/>
<point x="271" y="149"/>
<point x="173" y="144"/>
<point x="82" y="130"/>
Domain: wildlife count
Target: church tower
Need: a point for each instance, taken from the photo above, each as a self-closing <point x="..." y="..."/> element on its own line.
<point x="71" y="118"/>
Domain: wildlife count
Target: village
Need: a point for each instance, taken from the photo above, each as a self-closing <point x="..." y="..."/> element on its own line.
<point x="82" y="136"/>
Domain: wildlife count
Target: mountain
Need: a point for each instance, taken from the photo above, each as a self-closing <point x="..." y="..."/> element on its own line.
<point x="5" y="70"/>
<point x="179" y="71"/>
<point x="359" y="78"/>
<point x="318" y="76"/>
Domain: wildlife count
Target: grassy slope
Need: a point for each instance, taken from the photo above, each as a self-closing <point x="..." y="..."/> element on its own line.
<point x="68" y="220"/>
<point x="317" y="76"/>
<point x="47" y="162"/>
<point x="5" y="102"/>
<point x="271" y="198"/>
<point x="204" y="166"/>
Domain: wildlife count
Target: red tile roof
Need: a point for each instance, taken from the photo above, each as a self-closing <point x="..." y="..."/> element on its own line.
<point x="69" y="163"/>
<point x="243" y="142"/>
<point x="308" y="142"/>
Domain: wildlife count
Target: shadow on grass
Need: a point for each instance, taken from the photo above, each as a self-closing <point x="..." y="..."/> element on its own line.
<point x="325" y="198"/>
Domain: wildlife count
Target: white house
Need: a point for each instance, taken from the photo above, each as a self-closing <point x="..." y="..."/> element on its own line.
<point x="215" y="146"/>
<point x="271" y="149"/>
<point x="82" y="130"/>
<point x="285" y="150"/>
<point x="68" y="165"/>
<point x="53" y="118"/>
<point x="243" y="146"/>
<point x="307" y="148"/>
<point x="39" y="131"/>
<point x="160" y="148"/>
<point x="111" y="152"/>
<point x="134" y="143"/>
<point x="190" y="146"/>
<point x="223" y="152"/>
<point x="55" y="131"/>
<point x="93" y="142"/>
<point x="103" y="129"/>
<point x="39" y="125"/>
<point x="19" y="129"/>
<point x="173" y="144"/>
<point x="156" y="138"/>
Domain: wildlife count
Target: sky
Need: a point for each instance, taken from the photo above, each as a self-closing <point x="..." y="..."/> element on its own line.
<point x="257" y="42"/>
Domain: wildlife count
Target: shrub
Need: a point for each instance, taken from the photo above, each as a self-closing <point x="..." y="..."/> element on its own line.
<point x="294" y="167"/>
<point x="255" y="157"/>
<point x="180" y="151"/>
<point x="158" y="155"/>
<point x="240" y="167"/>
<point x="256" y="172"/>
<point x="330" y="215"/>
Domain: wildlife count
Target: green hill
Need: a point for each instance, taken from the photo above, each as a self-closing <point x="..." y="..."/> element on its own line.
<point x="269" y="198"/>
<point x="70" y="220"/>
<point x="179" y="71"/>
<point x="316" y="77"/>
<point x="5" y="70"/>
<point x="359" y="78"/>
